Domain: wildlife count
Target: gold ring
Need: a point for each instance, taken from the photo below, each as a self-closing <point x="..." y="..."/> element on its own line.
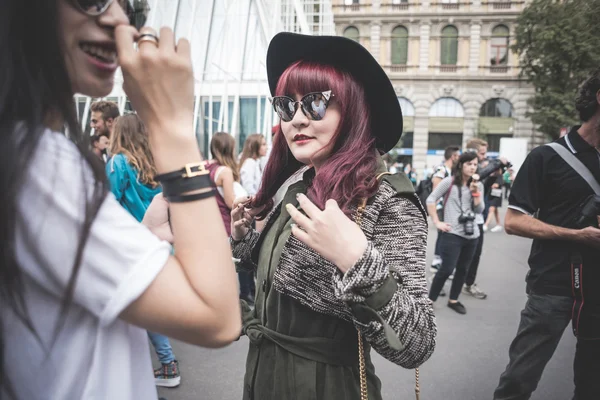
<point x="149" y="35"/>
<point x="148" y="39"/>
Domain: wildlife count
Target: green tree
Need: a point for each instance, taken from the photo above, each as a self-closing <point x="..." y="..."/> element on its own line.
<point x="558" y="43"/>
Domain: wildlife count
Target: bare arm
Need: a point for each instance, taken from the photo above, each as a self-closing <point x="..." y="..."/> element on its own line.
<point x="202" y="307"/>
<point x="225" y="180"/>
<point x="520" y="224"/>
<point x="435" y="181"/>
<point x="438" y="192"/>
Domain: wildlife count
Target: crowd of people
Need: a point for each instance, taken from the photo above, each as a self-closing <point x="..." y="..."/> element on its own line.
<point x="312" y="249"/>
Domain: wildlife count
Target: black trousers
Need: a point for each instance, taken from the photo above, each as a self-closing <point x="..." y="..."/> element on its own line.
<point x="474" y="265"/>
<point x="543" y="321"/>
<point x="456" y="253"/>
<point x="507" y="187"/>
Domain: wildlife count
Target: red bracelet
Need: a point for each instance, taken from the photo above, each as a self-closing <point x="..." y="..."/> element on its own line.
<point x="475" y="194"/>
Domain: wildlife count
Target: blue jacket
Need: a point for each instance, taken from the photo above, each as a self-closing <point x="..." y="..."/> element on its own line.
<point x="134" y="196"/>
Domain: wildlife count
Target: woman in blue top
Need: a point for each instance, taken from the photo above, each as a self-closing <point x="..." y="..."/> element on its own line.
<point x="131" y="174"/>
<point x="131" y="170"/>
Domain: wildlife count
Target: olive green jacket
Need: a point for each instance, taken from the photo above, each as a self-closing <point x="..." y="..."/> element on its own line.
<point x="384" y="294"/>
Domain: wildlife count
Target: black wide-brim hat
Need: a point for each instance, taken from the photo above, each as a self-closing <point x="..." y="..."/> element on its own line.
<point x="346" y="54"/>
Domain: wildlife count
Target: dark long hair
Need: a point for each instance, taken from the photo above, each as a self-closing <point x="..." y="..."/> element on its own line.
<point x="34" y="85"/>
<point x="457" y="173"/>
<point x="222" y="148"/>
<point x="348" y="175"/>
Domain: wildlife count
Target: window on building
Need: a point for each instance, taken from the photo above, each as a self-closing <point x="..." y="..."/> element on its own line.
<point x="449" y="53"/>
<point x="494" y="141"/>
<point x="249" y="118"/>
<point x="351" y="32"/>
<point x="496" y="108"/>
<point x="441" y="140"/>
<point x="407" y="140"/>
<point x="408" y="110"/>
<point x="447" y="107"/>
<point x="399" y="45"/>
<point x="499" y="45"/>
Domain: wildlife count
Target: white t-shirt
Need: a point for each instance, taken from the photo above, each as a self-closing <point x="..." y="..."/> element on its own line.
<point x="251" y="175"/>
<point x="96" y="355"/>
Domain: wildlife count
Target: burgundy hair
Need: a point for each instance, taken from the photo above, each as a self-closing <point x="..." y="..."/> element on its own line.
<point x="348" y="175"/>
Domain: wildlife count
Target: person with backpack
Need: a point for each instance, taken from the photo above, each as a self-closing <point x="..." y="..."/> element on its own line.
<point x="549" y="197"/>
<point x="462" y="197"/>
<point x="442" y="171"/>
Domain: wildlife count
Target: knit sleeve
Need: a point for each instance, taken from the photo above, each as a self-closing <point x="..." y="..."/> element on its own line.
<point x="242" y="249"/>
<point x="386" y="288"/>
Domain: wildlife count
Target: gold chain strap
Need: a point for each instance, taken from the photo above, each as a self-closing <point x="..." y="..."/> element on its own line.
<point x="364" y="395"/>
<point x="417" y="387"/>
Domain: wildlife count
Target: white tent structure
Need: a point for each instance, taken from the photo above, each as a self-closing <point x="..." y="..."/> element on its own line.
<point x="229" y="41"/>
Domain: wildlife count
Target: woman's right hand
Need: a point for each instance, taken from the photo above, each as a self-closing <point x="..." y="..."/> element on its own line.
<point x="242" y="217"/>
<point x="442" y="226"/>
<point x="159" y="81"/>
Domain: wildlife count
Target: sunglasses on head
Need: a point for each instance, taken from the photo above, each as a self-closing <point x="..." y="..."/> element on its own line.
<point x="313" y="105"/>
<point x="136" y="10"/>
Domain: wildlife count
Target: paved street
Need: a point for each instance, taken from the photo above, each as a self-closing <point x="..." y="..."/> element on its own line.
<point x="471" y="352"/>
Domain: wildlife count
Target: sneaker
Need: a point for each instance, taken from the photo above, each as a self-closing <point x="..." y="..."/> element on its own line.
<point x="167" y="375"/>
<point x="458" y="307"/>
<point x="497" y="228"/>
<point x="435" y="264"/>
<point x="485" y="228"/>
<point x="474" y="291"/>
<point x="451" y="277"/>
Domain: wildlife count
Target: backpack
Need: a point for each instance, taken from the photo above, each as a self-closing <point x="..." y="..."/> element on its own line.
<point x="426" y="187"/>
<point x="424" y="190"/>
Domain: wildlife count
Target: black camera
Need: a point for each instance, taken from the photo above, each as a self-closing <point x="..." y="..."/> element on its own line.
<point x="590" y="209"/>
<point x="468" y="220"/>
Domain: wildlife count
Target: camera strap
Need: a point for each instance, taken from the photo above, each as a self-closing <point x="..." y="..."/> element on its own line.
<point x="460" y="199"/>
<point x="577" y="289"/>
<point x="577" y="165"/>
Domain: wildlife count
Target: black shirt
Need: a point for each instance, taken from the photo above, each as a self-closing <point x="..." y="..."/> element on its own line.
<point x="547" y="186"/>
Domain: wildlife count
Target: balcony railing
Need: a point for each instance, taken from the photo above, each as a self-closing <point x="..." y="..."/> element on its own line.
<point x="450" y="6"/>
<point x="397" y="7"/>
<point x="398" y="68"/>
<point x="501" y="5"/>
<point x="515" y="5"/>
<point x="499" y="69"/>
<point x="351" y="7"/>
<point x="449" y="68"/>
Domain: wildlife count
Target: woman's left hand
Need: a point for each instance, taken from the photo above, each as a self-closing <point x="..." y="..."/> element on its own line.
<point x="474" y="186"/>
<point x="157" y="218"/>
<point x="329" y="232"/>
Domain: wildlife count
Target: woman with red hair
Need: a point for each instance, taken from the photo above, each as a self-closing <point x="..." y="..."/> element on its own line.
<point x="341" y="260"/>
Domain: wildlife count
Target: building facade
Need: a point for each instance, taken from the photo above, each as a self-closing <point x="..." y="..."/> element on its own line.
<point x="452" y="68"/>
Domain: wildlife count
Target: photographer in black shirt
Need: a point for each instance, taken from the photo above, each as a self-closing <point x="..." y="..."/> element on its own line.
<point x="549" y="188"/>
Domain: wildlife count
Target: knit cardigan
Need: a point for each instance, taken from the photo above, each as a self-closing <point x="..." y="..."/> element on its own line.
<point x="384" y="294"/>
